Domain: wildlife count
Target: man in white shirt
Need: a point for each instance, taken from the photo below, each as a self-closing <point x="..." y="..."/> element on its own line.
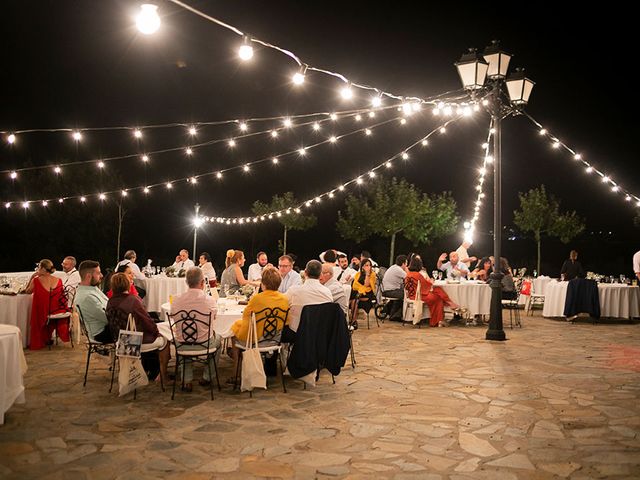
<point x="196" y="299"/>
<point x="336" y="288"/>
<point x="636" y="264"/>
<point x="343" y="273"/>
<point x="311" y="292"/>
<point x="289" y="276"/>
<point x="255" y="269"/>
<point x="183" y="262"/>
<point x="463" y="254"/>
<point x="130" y="260"/>
<point x="454" y="268"/>
<point x="69" y="275"/>
<point x="393" y="286"/>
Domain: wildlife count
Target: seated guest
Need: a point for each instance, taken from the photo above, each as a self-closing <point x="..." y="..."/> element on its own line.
<point x="196" y="299"/>
<point x="232" y="278"/>
<point x="130" y="259"/>
<point x="343" y="273"/>
<point x="393" y="286"/>
<point x="337" y="289"/>
<point x="454" y="268"/>
<point x="255" y="269"/>
<point x="93" y="302"/>
<point x="48" y="299"/>
<point x="435" y="297"/>
<point x="508" y="284"/>
<point x="363" y="288"/>
<point x="329" y="256"/>
<point x="69" y="274"/>
<point x="207" y="268"/>
<point x="311" y="292"/>
<point x="183" y="262"/>
<point x="355" y="263"/>
<point x="120" y="305"/>
<point x="482" y="270"/>
<point x="126" y="269"/>
<point x="463" y="255"/>
<point x="364" y="255"/>
<point x="571" y="268"/>
<point x="289" y="276"/>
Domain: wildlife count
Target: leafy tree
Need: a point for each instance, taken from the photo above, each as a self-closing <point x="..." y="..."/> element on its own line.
<point x="392" y="207"/>
<point x="290" y="221"/>
<point x="540" y="214"/>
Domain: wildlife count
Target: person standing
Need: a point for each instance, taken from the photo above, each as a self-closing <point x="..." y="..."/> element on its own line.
<point x="636" y="264"/>
<point x="571" y="268"/>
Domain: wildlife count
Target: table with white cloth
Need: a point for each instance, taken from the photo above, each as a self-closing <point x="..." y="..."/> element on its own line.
<point x="540" y="284"/>
<point x="13" y="366"/>
<point x="616" y="300"/>
<point x="472" y="295"/>
<point x="159" y="288"/>
<point x="16" y="310"/>
<point x="228" y="312"/>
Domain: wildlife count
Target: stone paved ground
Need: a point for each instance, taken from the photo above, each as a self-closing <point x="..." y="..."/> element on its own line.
<point x="555" y="401"/>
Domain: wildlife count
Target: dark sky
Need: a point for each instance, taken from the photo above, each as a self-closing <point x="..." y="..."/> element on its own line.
<point x="83" y="64"/>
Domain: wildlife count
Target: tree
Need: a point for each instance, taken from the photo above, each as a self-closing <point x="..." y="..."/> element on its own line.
<point x="540" y="214"/>
<point x="291" y="220"/>
<point x="392" y="207"/>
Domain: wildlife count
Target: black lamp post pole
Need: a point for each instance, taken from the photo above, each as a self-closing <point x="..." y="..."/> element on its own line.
<point x="496" y="330"/>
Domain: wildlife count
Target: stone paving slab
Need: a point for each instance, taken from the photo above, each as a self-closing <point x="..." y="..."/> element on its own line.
<point x="556" y="400"/>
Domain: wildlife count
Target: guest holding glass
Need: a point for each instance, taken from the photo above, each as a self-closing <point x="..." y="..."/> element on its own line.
<point x="48" y="299"/>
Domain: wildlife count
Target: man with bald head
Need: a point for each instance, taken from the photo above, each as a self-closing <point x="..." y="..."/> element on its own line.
<point x="183" y="262"/>
<point x="454" y="268"/>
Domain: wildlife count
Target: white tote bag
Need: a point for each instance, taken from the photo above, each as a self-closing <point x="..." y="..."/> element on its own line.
<point x="417" y="306"/>
<point x="253" y="375"/>
<point x="131" y="374"/>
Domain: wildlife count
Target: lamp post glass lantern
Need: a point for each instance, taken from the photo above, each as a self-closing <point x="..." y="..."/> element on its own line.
<point x="486" y="77"/>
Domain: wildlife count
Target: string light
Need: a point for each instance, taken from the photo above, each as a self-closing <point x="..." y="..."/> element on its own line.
<point x="83" y="199"/>
<point x="316" y="126"/>
<point x="77" y="136"/>
<point x="425" y="142"/>
<point x="100" y="164"/>
<point x="148" y="20"/>
<point x="145" y="158"/>
<point x="274" y="160"/>
<point x="11" y="139"/>
<point x="231" y="143"/>
<point x="243" y="126"/>
<point x="137" y="133"/>
<point x="274" y="133"/>
<point x="358" y="117"/>
<point x="13" y="175"/>
<point x="367" y="131"/>
<point x="376" y="101"/>
<point x="287" y="122"/>
<point x="192" y="131"/>
<point x="405" y="156"/>
<point x="245" y="52"/>
<point x="346" y="93"/>
<point x="61" y="200"/>
<point x="333" y="117"/>
<point x="189" y="151"/>
<point x="57" y="170"/>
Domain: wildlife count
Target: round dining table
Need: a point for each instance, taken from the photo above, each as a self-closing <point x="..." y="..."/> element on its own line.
<point x="16" y="310"/>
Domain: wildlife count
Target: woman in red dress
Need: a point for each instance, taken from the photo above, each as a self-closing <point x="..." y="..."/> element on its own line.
<point x="48" y="299"/>
<point x="435" y="297"/>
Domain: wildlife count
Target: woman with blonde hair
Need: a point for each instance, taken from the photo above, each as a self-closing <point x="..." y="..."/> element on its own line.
<point x="232" y="278"/>
<point x="48" y="299"/>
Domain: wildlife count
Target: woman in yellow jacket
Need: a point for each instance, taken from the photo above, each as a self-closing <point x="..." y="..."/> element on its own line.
<point x="268" y="298"/>
<point x="363" y="287"/>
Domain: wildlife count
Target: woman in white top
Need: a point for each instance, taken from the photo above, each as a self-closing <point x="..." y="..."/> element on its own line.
<point x="207" y="268"/>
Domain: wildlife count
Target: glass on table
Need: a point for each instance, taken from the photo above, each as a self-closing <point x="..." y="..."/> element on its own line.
<point x="439" y="275"/>
<point x="434" y="274"/>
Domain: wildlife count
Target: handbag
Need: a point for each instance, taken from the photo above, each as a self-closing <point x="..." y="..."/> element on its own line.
<point x="131" y="374"/>
<point x="253" y="375"/>
<point x="418" y="305"/>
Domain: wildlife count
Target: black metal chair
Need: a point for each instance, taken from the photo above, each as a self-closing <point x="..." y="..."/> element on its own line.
<point x="273" y="320"/>
<point x="93" y="346"/>
<point x="511" y="304"/>
<point x="63" y="308"/>
<point x="192" y="339"/>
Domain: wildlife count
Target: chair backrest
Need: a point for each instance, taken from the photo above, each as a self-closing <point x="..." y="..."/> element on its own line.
<point x="62" y="303"/>
<point x="273" y="320"/>
<point x="70" y="293"/>
<point x="411" y="288"/>
<point x="190" y="327"/>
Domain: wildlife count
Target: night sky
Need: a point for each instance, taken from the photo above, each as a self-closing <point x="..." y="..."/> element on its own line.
<point x="72" y="64"/>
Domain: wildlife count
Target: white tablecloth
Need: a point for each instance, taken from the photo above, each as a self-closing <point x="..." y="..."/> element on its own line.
<point x="476" y="297"/>
<point x="158" y="290"/>
<point x="540" y="284"/>
<point x="616" y="300"/>
<point x="228" y="312"/>
<point x="16" y="310"/>
<point x="13" y="366"/>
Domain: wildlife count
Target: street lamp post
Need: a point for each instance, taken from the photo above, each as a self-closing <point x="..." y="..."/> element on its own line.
<point x="486" y="76"/>
<point x="197" y="221"/>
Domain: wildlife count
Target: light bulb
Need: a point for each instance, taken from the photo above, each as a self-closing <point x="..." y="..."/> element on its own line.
<point x="556" y="144"/>
<point x="245" y="52"/>
<point x="297" y="210"/>
<point x="589" y="169"/>
<point x="13" y="175"/>
<point x="100" y="164"/>
<point x="358" y="117"/>
<point x="466" y="111"/>
<point x="359" y="180"/>
<point x="489" y="159"/>
<point x="231" y="143"/>
<point x="44" y="203"/>
<point x="333" y="139"/>
<point x="316" y="126"/>
<point x="347" y="93"/>
<point x="274" y="133"/>
<point x="615" y="188"/>
<point x="577" y="156"/>
<point x="192" y="131"/>
<point x="387" y="164"/>
<point x="298" y="78"/>
<point x="376" y="101"/>
<point x="147" y="19"/>
<point x="102" y="196"/>
<point x="317" y="199"/>
<point x="425" y="142"/>
<point x="60" y="200"/>
<point x="275" y="160"/>
<point x="302" y="152"/>
<point x="57" y="170"/>
<point x="188" y="151"/>
<point x="25" y="204"/>
<point x="83" y="199"/>
<point x="137" y="133"/>
<point x="403" y="121"/>
<point x="243" y="126"/>
<point x="448" y="111"/>
<point x="287" y="122"/>
<point x="405" y="156"/>
<point x="77" y="136"/>
<point x="11" y="139"/>
<point x="341" y="188"/>
<point x="333" y="117"/>
<point x="543" y="131"/>
<point x="146" y="190"/>
<point x="372" y="174"/>
<point x="605" y="179"/>
<point x="372" y="114"/>
<point x="627" y="198"/>
<point x="169" y="185"/>
<point x="443" y="130"/>
<point x="436" y="111"/>
<point x="485" y="146"/>
<point x="219" y="175"/>
<point x="367" y="131"/>
<point x="245" y="168"/>
<point x="145" y="158"/>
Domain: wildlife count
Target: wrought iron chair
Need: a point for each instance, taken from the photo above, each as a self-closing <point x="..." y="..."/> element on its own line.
<point x="63" y="308"/>
<point x="191" y="332"/>
<point x="93" y="346"/>
<point x="273" y="321"/>
<point x="511" y="304"/>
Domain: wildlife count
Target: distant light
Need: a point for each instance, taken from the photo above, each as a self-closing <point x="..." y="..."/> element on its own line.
<point x="485" y="102"/>
<point x="188" y="151"/>
<point x="372" y="174"/>
<point x="245" y="168"/>
<point x="346" y="93"/>
<point x="44" y="203"/>
<point x="169" y="185"/>
<point x="443" y="130"/>
<point x="556" y="144"/>
<point x="7" y="205"/>
<point x="302" y="152"/>
<point x="387" y="164"/>
<point x="316" y="126"/>
<point x="298" y="78"/>
<point x="448" y="111"/>
<point x="376" y="101"/>
<point x="333" y="117"/>
<point x="372" y="114"/>
<point x="60" y="200"/>
<point x="137" y="133"/>
<point x="425" y="142"/>
<point x="219" y="175"/>
<point x="13" y="175"/>
<point x="577" y="156"/>
<point x="244" y="127"/>
<point x="543" y="131"/>
<point x="333" y="139"/>
<point x="405" y="156"/>
<point x="589" y="169"/>
<point x="359" y="180"/>
<point x="275" y="160"/>
<point x="57" y="170"/>
<point x="147" y="20"/>
<point x="367" y="131"/>
<point x="492" y="131"/>
<point x="627" y="198"/>
<point x="11" y="139"/>
<point x="403" y="121"/>
<point x="145" y="158"/>
<point x="274" y="133"/>
<point x="485" y="146"/>
<point x="231" y="143"/>
<point x="198" y="221"/>
<point x="100" y="164"/>
<point x="192" y="131"/>
<point x="287" y="122"/>
<point x="615" y="188"/>
<point x="77" y="136"/>
<point x="245" y="52"/>
<point x="25" y="204"/>
<point x="146" y="190"/>
<point x="102" y="196"/>
<point x="358" y="117"/>
<point x="489" y="159"/>
<point x="605" y="179"/>
<point x="83" y="199"/>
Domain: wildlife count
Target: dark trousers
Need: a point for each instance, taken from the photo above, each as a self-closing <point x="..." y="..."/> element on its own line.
<point x="288" y="335"/>
<point x="395" y="306"/>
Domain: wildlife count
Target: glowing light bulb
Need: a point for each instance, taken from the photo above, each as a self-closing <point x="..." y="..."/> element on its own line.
<point x="302" y="152"/>
<point x="436" y="111"/>
<point x="577" y="156"/>
<point x="492" y="131"/>
<point x="555" y="144"/>
<point x="406" y="108"/>
<point x="275" y="160"/>
<point x="77" y="136"/>
<point x="589" y="169"/>
<point x="194" y="180"/>
<point x="372" y="114"/>
<point x="57" y="170"/>
<point x="246" y="168"/>
<point x="219" y="175"/>
<point x="333" y="117"/>
<point x="188" y="151"/>
<point x="448" y="111"/>
<point x="476" y="108"/>
<point x="317" y="199"/>
<point x="11" y="139"/>
<point x="543" y="131"/>
<point x="403" y="121"/>
<point x="60" y="200"/>
<point x="192" y="131"/>
<point x="287" y="122"/>
<point x="485" y="146"/>
<point x="146" y="190"/>
<point x="359" y="181"/>
<point x="615" y="188"/>
<point x="308" y="203"/>
<point x="13" y="175"/>
<point x="405" y="156"/>
<point x="137" y="133"/>
<point x="372" y="174"/>
<point x="231" y="143"/>
<point x="333" y="139"/>
<point x="83" y="199"/>
<point x="466" y="225"/>
<point x="102" y="196"/>
<point x="25" y="204"/>
<point x="485" y="103"/>
<point x="605" y="179"/>
<point x="481" y="195"/>
<point x="7" y="205"/>
<point x="243" y="126"/>
<point x="425" y="142"/>
<point x="245" y="52"/>
<point x="100" y="164"/>
<point x="367" y="131"/>
<point x="341" y="188"/>
<point x="316" y="126"/>
<point x="44" y="203"/>
<point x="627" y="198"/>
<point x="482" y="170"/>
<point x="443" y="130"/>
<point x="169" y="185"/>
<point x="145" y="158"/>
<point x="387" y="164"/>
<point x="147" y="20"/>
<point x="347" y="92"/>
<point x="489" y="159"/>
<point x="274" y="133"/>
<point x="298" y="78"/>
<point x="358" y="117"/>
<point x="376" y="101"/>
